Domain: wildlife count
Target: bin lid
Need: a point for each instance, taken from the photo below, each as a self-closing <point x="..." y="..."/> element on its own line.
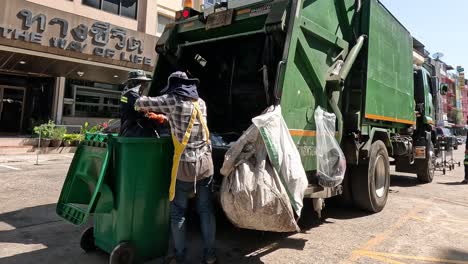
<point x="85" y="178"/>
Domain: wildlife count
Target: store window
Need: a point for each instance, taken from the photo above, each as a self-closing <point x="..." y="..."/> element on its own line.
<point x="209" y="3"/>
<point x="125" y="8"/>
<point x="162" y="22"/>
<point x="111" y="6"/>
<point x="128" y="8"/>
<point x="93" y="3"/>
<point x="88" y="99"/>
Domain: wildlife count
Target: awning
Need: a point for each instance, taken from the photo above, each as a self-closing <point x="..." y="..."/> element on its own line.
<point x="27" y="62"/>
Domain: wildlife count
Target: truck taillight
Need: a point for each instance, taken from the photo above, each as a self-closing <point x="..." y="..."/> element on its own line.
<point x="186" y="13"/>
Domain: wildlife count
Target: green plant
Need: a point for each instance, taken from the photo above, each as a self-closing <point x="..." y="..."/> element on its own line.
<point x="45" y="130"/>
<point x="94" y="129"/>
<point x="58" y="133"/>
<point x="87" y="129"/>
<point x="73" y="137"/>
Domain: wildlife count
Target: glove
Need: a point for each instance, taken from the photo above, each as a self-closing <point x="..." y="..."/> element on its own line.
<point x="160" y="119"/>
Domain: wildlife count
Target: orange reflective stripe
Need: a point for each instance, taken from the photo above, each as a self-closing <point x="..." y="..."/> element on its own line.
<point x="302" y="133"/>
<point x="389" y="119"/>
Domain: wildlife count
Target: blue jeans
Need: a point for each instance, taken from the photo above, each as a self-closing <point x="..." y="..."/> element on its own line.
<point x="204" y="208"/>
<point x="466" y="172"/>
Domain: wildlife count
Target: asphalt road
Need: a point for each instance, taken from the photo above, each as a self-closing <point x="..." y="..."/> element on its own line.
<point x="420" y="224"/>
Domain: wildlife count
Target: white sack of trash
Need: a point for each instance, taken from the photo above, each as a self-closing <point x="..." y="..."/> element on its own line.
<point x="264" y="183"/>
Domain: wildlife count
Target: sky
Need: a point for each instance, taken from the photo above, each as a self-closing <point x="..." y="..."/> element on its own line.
<point x="441" y="25"/>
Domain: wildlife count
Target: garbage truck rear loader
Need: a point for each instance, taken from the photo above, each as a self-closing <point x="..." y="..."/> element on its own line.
<point x="351" y="58"/>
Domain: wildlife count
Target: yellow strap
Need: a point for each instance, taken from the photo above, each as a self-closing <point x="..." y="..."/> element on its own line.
<point x="202" y="120"/>
<point x="124" y="99"/>
<point x="178" y="150"/>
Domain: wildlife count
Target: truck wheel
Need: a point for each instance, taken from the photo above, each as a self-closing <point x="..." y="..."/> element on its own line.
<point x="87" y="240"/>
<point x="426" y="170"/>
<point x="371" y="182"/>
<point x="123" y="253"/>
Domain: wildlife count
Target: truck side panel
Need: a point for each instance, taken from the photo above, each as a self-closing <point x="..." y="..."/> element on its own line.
<point x="390" y="89"/>
<point x="322" y="30"/>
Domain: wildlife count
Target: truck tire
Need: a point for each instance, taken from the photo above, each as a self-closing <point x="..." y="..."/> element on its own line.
<point x="371" y="182"/>
<point x="426" y="170"/>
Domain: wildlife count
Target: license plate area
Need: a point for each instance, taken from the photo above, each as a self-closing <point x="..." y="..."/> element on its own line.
<point x="220" y="19"/>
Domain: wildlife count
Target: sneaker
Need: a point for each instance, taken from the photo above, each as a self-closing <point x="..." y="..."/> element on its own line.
<point x="173" y="260"/>
<point x="210" y="260"/>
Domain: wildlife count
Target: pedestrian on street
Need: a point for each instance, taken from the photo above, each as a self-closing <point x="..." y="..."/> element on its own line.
<point x="132" y="122"/>
<point x="465" y="162"/>
<point x="192" y="170"/>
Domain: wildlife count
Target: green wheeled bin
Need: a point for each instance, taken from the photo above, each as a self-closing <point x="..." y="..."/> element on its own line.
<point x="124" y="184"/>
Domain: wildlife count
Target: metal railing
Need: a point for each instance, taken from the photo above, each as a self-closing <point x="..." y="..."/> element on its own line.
<point x="41" y="128"/>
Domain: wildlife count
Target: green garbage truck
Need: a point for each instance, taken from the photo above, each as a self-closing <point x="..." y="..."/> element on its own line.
<point x="352" y="58"/>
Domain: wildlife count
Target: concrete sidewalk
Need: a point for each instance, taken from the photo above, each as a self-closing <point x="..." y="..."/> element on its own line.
<point x="27" y="145"/>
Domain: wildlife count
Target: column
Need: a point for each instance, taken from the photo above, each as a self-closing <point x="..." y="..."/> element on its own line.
<point x="59" y="93"/>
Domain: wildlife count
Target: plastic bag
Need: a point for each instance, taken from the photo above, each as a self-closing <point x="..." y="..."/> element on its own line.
<point x="283" y="155"/>
<point x="265" y="180"/>
<point x="252" y="195"/>
<point x="331" y="162"/>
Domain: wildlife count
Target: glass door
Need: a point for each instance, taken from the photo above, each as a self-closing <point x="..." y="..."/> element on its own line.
<point x="11" y="109"/>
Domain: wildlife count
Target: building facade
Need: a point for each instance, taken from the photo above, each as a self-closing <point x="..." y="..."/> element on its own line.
<point x="67" y="60"/>
<point x="464" y="101"/>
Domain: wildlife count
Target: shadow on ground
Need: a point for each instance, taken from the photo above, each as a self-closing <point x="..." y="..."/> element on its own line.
<point x="454" y="255"/>
<point x="403" y="181"/>
<point x="452" y="183"/>
<point x="38" y="235"/>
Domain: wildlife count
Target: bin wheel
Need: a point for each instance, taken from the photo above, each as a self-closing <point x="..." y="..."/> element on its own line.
<point x="87" y="240"/>
<point x="123" y="253"/>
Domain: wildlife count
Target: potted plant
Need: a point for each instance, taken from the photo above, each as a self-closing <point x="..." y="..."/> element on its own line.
<point x="44" y="132"/>
<point x="77" y="139"/>
<point x="56" y="136"/>
<point x="67" y="139"/>
<point x="72" y="139"/>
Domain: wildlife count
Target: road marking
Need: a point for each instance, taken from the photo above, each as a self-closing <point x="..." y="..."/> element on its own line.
<point x="440" y="226"/>
<point x="379" y="238"/>
<point x="373" y="254"/>
<point x="452" y="202"/>
<point x="383" y="259"/>
<point x="68" y="156"/>
<point x="442" y="221"/>
<point x="10" y="167"/>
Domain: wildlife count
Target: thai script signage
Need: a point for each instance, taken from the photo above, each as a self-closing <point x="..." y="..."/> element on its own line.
<point x="99" y="38"/>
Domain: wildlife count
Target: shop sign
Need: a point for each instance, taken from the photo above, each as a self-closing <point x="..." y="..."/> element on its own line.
<point x="127" y="47"/>
<point x="461" y="81"/>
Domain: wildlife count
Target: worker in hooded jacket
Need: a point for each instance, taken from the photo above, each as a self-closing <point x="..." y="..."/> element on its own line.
<point x="134" y="123"/>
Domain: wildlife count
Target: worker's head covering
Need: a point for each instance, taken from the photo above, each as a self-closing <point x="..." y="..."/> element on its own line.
<point x="138" y="75"/>
<point x="179" y="83"/>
